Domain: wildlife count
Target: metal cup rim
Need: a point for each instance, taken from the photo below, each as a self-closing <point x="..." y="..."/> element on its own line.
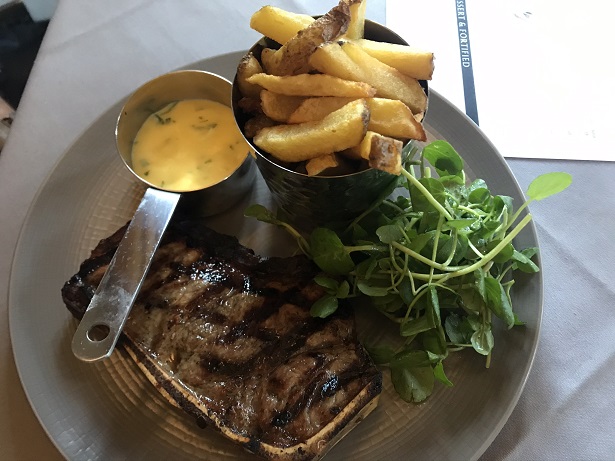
<point x="124" y="155"/>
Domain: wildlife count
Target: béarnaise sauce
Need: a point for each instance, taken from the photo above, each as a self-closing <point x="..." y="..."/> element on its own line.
<point x="188" y="145"/>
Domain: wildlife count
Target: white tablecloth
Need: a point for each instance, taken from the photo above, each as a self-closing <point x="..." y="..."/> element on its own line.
<point x="95" y="53"/>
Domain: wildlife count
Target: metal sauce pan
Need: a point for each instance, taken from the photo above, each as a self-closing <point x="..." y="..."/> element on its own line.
<point x="102" y="323"/>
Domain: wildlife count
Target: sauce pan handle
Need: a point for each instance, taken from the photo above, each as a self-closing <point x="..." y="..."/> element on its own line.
<point x="102" y="323"/>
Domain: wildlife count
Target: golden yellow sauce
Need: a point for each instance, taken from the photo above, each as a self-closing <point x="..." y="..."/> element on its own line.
<point x="188" y="145"/>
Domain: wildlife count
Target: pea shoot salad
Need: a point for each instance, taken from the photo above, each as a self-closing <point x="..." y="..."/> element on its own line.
<point x="434" y="255"/>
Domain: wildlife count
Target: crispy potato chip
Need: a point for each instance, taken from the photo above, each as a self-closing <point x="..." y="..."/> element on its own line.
<point x="393" y="118"/>
<point x="350" y="62"/>
<point x="353" y="114"/>
<point x="385" y="154"/>
<point x="279" y="107"/>
<point x="312" y="85"/>
<point x="409" y="60"/>
<point x="312" y="109"/>
<point x="247" y="67"/>
<point x="388" y="81"/>
<point x="381" y="152"/>
<point x="339" y="130"/>
<point x="317" y="165"/>
<point x="389" y="117"/>
<point x="328" y="165"/>
<point x="357" y="19"/>
<point x="329" y="58"/>
<point x="292" y="58"/>
<point x="361" y="150"/>
<point x="278" y="24"/>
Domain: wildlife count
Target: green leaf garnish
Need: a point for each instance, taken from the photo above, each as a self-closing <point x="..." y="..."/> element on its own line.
<point x="324" y="307"/>
<point x="444" y="158"/>
<point x="437" y="260"/>
<point x="498" y="302"/>
<point x="329" y="253"/>
<point x="548" y="184"/>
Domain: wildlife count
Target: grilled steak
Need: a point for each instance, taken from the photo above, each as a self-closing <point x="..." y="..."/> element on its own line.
<point x="228" y="337"/>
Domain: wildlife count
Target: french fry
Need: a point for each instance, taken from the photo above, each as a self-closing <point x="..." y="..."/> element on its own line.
<point x="381" y="152"/>
<point x="317" y="165"/>
<point x="312" y="85"/>
<point x="357" y="19"/>
<point x="328" y="165"/>
<point x="385" y="154"/>
<point x="339" y="130"/>
<point x="388" y="81"/>
<point x="247" y="67"/>
<point x="330" y="59"/>
<point x="279" y="107"/>
<point x="361" y="150"/>
<point x="312" y="109"/>
<point x="349" y="61"/>
<point x="292" y="58"/>
<point x="278" y="24"/>
<point x="409" y="60"/>
<point x="388" y="117"/>
<point x="329" y="101"/>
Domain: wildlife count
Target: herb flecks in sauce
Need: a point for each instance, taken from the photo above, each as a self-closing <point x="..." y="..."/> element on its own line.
<point x="186" y="145"/>
<point x="207" y="126"/>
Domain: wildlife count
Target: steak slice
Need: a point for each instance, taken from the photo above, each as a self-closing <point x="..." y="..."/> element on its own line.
<point x="227" y="336"/>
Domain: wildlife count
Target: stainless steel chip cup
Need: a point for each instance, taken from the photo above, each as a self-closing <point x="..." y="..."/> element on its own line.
<point x="102" y="323"/>
<point x="310" y="201"/>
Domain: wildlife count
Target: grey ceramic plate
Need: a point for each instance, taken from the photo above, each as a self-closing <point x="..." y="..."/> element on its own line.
<point x="109" y="411"/>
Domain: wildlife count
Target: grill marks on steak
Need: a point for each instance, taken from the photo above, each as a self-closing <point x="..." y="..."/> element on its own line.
<point x="236" y="332"/>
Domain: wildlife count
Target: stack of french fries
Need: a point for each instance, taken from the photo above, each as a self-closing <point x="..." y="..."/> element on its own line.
<point x="328" y="99"/>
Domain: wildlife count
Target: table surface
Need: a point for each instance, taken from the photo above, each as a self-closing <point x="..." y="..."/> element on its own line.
<point x="95" y="53"/>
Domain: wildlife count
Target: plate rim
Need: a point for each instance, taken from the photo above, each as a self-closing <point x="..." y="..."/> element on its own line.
<point x="540" y="276"/>
<point x="21" y="242"/>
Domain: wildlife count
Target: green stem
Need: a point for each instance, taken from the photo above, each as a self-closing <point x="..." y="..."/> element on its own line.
<point x="469" y="210"/>
<point x="504" y="272"/>
<point x="436" y="240"/>
<point x="301" y="241"/>
<point x="400" y="271"/>
<point x="474" y="249"/>
<point x="350" y="249"/>
<point x="391" y="317"/>
<point x="420" y="292"/>
<point x="494" y="252"/>
<point x="423" y="259"/>
<point x="462" y="270"/>
<point x="411" y="278"/>
<point x="517" y="213"/>
<point x="430" y="198"/>
<point x="500" y="232"/>
<point x="397" y="208"/>
<point x="453" y="248"/>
